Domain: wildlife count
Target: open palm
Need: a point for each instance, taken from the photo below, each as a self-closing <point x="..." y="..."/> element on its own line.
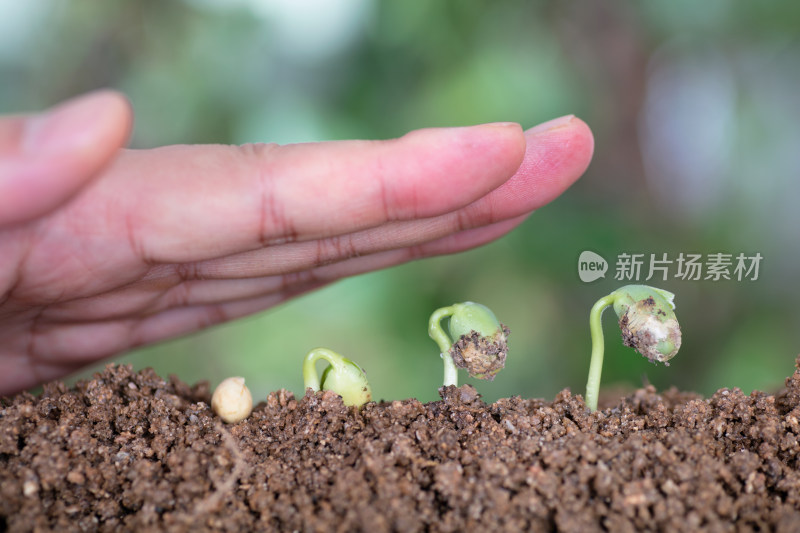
<point x="103" y="249"/>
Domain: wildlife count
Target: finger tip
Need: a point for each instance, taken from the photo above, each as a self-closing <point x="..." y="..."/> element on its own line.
<point x="495" y="141"/>
<point x="513" y="144"/>
<point x="466" y="162"/>
<point x="568" y="130"/>
<point x="504" y="140"/>
<point x="499" y="149"/>
<point x="82" y="127"/>
<point x="557" y="155"/>
<point x="107" y="120"/>
<point x="581" y="147"/>
<point x="63" y="149"/>
<point x="558" y="152"/>
<point x="104" y="129"/>
<point x="583" y="142"/>
<point x="116" y="111"/>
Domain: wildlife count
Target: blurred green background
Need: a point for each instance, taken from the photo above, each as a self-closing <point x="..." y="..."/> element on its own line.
<point x="696" y="116"/>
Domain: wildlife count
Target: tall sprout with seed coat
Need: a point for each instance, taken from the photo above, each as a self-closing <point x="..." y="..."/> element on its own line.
<point x="477" y="341"/>
<point x="648" y="324"/>
<point x="342" y="376"/>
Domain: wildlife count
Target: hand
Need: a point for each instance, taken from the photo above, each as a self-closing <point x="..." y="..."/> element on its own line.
<point x="104" y="249"/>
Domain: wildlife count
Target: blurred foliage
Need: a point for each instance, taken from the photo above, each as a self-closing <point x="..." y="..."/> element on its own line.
<point x="696" y="118"/>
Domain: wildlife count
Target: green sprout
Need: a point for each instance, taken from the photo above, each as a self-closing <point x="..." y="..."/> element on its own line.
<point x="342" y="376"/>
<point x="480" y="341"/>
<point x="648" y="324"/>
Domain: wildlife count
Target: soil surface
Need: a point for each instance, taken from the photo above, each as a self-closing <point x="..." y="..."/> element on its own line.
<point x="130" y="451"/>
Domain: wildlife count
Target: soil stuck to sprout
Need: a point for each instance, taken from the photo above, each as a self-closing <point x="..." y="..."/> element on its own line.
<point x="482" y="357"/>
<point x="130" y="451"/>
<point x="645" y="332"/>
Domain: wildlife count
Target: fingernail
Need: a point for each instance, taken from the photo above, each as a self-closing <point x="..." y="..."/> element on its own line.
<point x="63" y="127"/>
<point x="496" y="125"/>
<point x="500" y="125"/>
<point x="551" y="124"/>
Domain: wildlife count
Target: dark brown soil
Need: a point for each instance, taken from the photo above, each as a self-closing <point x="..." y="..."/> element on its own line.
<point x="131" y="452"/>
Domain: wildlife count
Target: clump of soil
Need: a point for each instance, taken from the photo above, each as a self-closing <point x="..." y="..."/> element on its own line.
<point x="482" y="357"/>
<point x="129" y="451"/>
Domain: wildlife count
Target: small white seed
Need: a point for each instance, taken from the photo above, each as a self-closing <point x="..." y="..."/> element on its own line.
<point x="29" y="488"/>
<point x="232" y="400"/>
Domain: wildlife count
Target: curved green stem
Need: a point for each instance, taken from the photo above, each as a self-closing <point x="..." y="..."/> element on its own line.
<point x="444" y="342"/>
<point x="310" y="376"/>
<point x="342" y="376"/>
<point x="596" y="364"/>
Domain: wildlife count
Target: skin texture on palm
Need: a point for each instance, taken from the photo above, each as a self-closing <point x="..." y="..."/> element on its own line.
<point x="105" y="249"/>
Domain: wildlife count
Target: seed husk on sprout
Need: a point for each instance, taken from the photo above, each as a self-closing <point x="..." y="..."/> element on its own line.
<point x="477" y="341"/>
<point x="482" y="357"/>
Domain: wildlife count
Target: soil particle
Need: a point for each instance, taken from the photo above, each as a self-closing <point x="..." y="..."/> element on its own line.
<point x="130" y="451"/>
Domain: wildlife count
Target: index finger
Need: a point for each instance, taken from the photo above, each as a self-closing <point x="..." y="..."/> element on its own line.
<point x="189" y="203"/>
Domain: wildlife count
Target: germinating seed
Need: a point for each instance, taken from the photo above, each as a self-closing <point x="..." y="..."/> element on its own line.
<point x="477" y="341"/>
<point x="342" y="376"/>
<point x="232" y="400"/>
<point x="648" y="324"/>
